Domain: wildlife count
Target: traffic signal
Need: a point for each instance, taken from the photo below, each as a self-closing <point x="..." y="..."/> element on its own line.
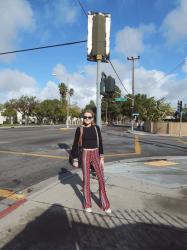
<point x="179" y="106"/>
<point x="102" y="87"/>
<point x="98" y="41"/>
<point x="109" y="85"/>
<point x="102" y="84"/>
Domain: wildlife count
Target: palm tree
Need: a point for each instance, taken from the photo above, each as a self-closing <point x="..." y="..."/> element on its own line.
<point x="63" y="89"/>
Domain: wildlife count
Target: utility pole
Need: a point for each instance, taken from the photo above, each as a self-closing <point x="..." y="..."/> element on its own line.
<point x="180" y="110"/>
<point x="106" y="113"/>
<point x="98" y="96"/>
<point x="132" y="107"/>
<point x="67" y="107"/>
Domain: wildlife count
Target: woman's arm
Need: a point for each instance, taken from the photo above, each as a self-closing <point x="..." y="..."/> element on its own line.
<point x="74" y="151"/>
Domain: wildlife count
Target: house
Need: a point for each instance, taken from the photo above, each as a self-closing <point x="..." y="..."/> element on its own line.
<point x="2" y="118"/>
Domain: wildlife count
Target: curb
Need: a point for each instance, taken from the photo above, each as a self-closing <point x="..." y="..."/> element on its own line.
<point x="11" y="208"/>
<point x="141" y="159"/>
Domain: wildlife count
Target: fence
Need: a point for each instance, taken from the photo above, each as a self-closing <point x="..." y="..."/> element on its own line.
<point x="170" y="128"/>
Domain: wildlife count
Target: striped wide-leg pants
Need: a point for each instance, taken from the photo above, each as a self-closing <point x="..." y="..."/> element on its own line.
<point x="92" y="156"/>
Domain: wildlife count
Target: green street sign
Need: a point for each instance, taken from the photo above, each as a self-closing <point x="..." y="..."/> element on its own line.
<point x="120" y="99"/>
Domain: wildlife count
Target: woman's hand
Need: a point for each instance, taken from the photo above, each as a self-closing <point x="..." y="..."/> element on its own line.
<point x="75" y="164"/>
<point x="102" y="161"/>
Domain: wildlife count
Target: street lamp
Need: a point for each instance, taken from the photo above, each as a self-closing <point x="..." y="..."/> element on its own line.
<point x="67" y="99"/>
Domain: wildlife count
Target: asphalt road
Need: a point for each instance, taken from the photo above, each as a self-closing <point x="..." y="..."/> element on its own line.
<point x="30" y="155"/>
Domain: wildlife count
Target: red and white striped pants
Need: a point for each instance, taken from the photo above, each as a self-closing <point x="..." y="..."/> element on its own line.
<point x="92" y="156"/>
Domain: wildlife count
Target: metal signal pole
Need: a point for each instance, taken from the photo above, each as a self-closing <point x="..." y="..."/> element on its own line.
<point x="98" y="96"/>
<point x="132" y="107"/>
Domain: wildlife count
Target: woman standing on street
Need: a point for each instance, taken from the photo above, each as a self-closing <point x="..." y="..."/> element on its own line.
<point x="92" y="153"/>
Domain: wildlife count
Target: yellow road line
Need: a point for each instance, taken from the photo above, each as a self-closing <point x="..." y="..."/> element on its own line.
<point x="35" y="155"/>
<point x="160" y="163"/>
<point x="137" y="147"/>
<point x="120" y="154"/>
<point x="11" y="195"/>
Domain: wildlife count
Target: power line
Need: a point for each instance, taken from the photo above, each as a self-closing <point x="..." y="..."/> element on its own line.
<point x="80" y="4"/>
<point x="119" y="79"/>
<point x="43" y="47"/>
<point x="171" y="71"/>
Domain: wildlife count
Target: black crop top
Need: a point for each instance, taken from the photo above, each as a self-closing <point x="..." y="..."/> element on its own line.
<point x="89" y="140"/>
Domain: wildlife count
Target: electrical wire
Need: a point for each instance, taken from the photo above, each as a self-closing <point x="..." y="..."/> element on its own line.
<point x="43" y="47"/>
<point x="171" y="71"/>
<point x="119" y="79"/>
<point x="80" y="4"/>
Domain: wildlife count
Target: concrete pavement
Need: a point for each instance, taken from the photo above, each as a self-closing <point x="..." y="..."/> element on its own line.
<point x="149" y="210"/>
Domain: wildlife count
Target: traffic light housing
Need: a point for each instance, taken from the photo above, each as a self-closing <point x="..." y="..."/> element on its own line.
<point x="102" y="84"/>
<point x="179" y="106"/>
<point x="109" y="85"/>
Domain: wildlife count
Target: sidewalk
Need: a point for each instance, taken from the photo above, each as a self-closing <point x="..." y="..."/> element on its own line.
<point x="149" y="210"/>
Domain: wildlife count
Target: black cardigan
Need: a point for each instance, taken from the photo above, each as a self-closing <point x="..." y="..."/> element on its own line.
<point x="89" y="140"/>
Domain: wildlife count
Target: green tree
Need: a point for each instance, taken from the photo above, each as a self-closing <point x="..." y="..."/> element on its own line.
<point x="110" y="109"/>
<point x="10" y="113"/>
<point x="1" y="106"/>
<point x="52" y="111"/>
<point x="90" y="106"/>
<point x="63" y="90"/>
<point x="25" y="105"/>
<point x="148" y="108"/>
<point x="75" y="111"/>
<point x="10" y="110"/>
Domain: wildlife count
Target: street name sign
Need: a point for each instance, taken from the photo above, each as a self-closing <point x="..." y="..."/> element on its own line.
<point x="120" y="99"/>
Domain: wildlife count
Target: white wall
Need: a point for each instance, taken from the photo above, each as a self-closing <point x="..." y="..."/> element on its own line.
<point x="2" y="118"/>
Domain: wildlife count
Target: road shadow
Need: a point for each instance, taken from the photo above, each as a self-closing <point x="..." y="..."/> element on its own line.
<point x="64" y="146"/>
<point x="66" y="177"/>
<point x="62" y="228"/>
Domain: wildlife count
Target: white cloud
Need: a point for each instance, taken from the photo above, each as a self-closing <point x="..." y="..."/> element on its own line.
<point x="149" y="82"/>
<point x="14" y="83"/>
<point x="185" y="66"/>
<point x="60" y="12"/>
<point x="65" y="12"/>
<point x="177" y="89"/>
<point x="129" y="41"/>
<point x="174" y="24"/>
<point x="84" y="89"/>
<point x="16" y="15"/>
<point x="50" y="91"/>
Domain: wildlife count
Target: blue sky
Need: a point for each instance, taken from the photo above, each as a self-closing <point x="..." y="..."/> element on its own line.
<point x="153" y="29"/>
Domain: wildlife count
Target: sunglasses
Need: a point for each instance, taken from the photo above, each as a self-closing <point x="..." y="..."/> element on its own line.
<point x="87" y="117"/>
